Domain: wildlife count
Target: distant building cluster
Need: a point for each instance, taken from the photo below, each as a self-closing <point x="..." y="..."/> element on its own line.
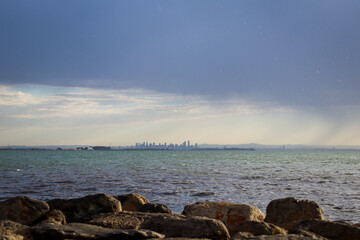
<point x="184" y="146"/>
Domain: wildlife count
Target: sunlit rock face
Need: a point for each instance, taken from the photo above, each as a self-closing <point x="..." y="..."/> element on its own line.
<point x="24" y="210"/>
<point x="230" y="214"/>
<point x="287" y="212"/>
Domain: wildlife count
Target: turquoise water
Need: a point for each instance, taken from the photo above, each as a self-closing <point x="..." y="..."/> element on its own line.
<point x="177" y="178"/>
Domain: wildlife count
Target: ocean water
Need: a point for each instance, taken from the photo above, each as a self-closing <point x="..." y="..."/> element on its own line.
<point x="177" y="178"/>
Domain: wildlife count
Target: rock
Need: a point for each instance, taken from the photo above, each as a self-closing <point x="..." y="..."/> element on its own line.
<point x="171" y="225"/>
<point x="357" y="224"/>
<point x="287" y="212"/>
<point x="327" y="229"/>
<point x="10" y="230"/>
<point x="51" y="230"/>
<point x="23" y="210"/>
<point x="155" y="208"/>
<point x="230" y="214"/>
<point x="55" y="216"/>
<point x="132" y="202"/>
<point x="76" y="210"/>
<point x="284" y="237"/>
<point x="241" y="236"/>
<point x="258" y="228"/>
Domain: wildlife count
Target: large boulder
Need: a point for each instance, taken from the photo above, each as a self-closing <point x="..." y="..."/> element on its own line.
<point x="327" y="229"/>
<point x="23" y="210"/>
<point x="287" y="212"/>
<point x="76" y="210"/>
<point x="230" y="214"/>
<point x="171" y="225"/>
<point x="258" y="228"/>
<point x="10" y="230"/>
<point x="51" y="230"/>
<point x="132" y="202"/>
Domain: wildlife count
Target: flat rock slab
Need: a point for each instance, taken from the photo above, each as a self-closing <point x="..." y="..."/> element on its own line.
<point x="331" y="230"/>
<point x="77" y="209"/>
<point x="23" y="210"/>
<point x="51" y="230"/>
<point x="284" y="237"/>
<point x="287" y="212"/>
<point x="230" y="214"/>
<point x="171" y="225"/>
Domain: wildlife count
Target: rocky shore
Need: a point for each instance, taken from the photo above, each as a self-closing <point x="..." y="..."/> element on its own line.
<point x="132" y="216"/>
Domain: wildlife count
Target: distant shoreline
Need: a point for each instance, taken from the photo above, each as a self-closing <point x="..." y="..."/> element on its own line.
<point x="129" y="149"/>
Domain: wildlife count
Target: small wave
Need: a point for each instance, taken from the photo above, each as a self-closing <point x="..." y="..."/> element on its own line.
<point x="169" y="193"/>
<point x="65" y="181"/>
<point x="203" y="194"/>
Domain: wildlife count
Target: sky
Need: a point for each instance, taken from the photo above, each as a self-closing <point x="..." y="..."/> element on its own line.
<point x="217" y="72"/>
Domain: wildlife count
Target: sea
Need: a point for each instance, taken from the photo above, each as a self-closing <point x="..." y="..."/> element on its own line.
<point x="178" y="178"/>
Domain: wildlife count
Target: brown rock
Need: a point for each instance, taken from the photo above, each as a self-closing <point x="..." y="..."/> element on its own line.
<point x="327" y="229"/>
<point x="241" y="236"/>
<point x="230" y="214"/>
<point x="10" y="230"/>
<point x="76" y="210"/>
<point x="132" y="202"/>
<point x="258" y="228"/>
<point x="285" y="237"/>
<point x="23" y="210"/>
<point x="51" y="230"/>
<point x="287" y="212"/>
<point x="55" y="216"/>
<point x="171" y="225"/>
<point x="155" y="208"/>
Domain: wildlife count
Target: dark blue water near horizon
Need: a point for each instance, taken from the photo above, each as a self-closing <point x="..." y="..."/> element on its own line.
<point x="177" y="178"/>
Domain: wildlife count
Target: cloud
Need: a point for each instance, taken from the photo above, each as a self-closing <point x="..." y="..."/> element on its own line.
<point x="104" y="104"/>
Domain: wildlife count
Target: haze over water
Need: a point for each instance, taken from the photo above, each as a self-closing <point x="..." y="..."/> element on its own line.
<point x="177" y="178"/>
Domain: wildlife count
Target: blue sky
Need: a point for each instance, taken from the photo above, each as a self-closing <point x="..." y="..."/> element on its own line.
<point x="227" y="72"/>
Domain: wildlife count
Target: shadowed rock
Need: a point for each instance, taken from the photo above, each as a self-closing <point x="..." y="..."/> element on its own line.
<point x="51" y="230"/>
<point x="132" y="202"/>
<point x="155" y="208"/>
<point x="76" y="210"/>
<point x="171" y="225"/>
<point x="10" y="230"/>
<point x="258" y="228"/>
<point x="230" y="214"/>
<point x="327" y="229"/>
<point x="287" y="212"/>
<point x="23" y="210"/>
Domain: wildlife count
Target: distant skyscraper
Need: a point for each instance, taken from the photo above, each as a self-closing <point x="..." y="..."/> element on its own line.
<point x="188" y="143"/>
